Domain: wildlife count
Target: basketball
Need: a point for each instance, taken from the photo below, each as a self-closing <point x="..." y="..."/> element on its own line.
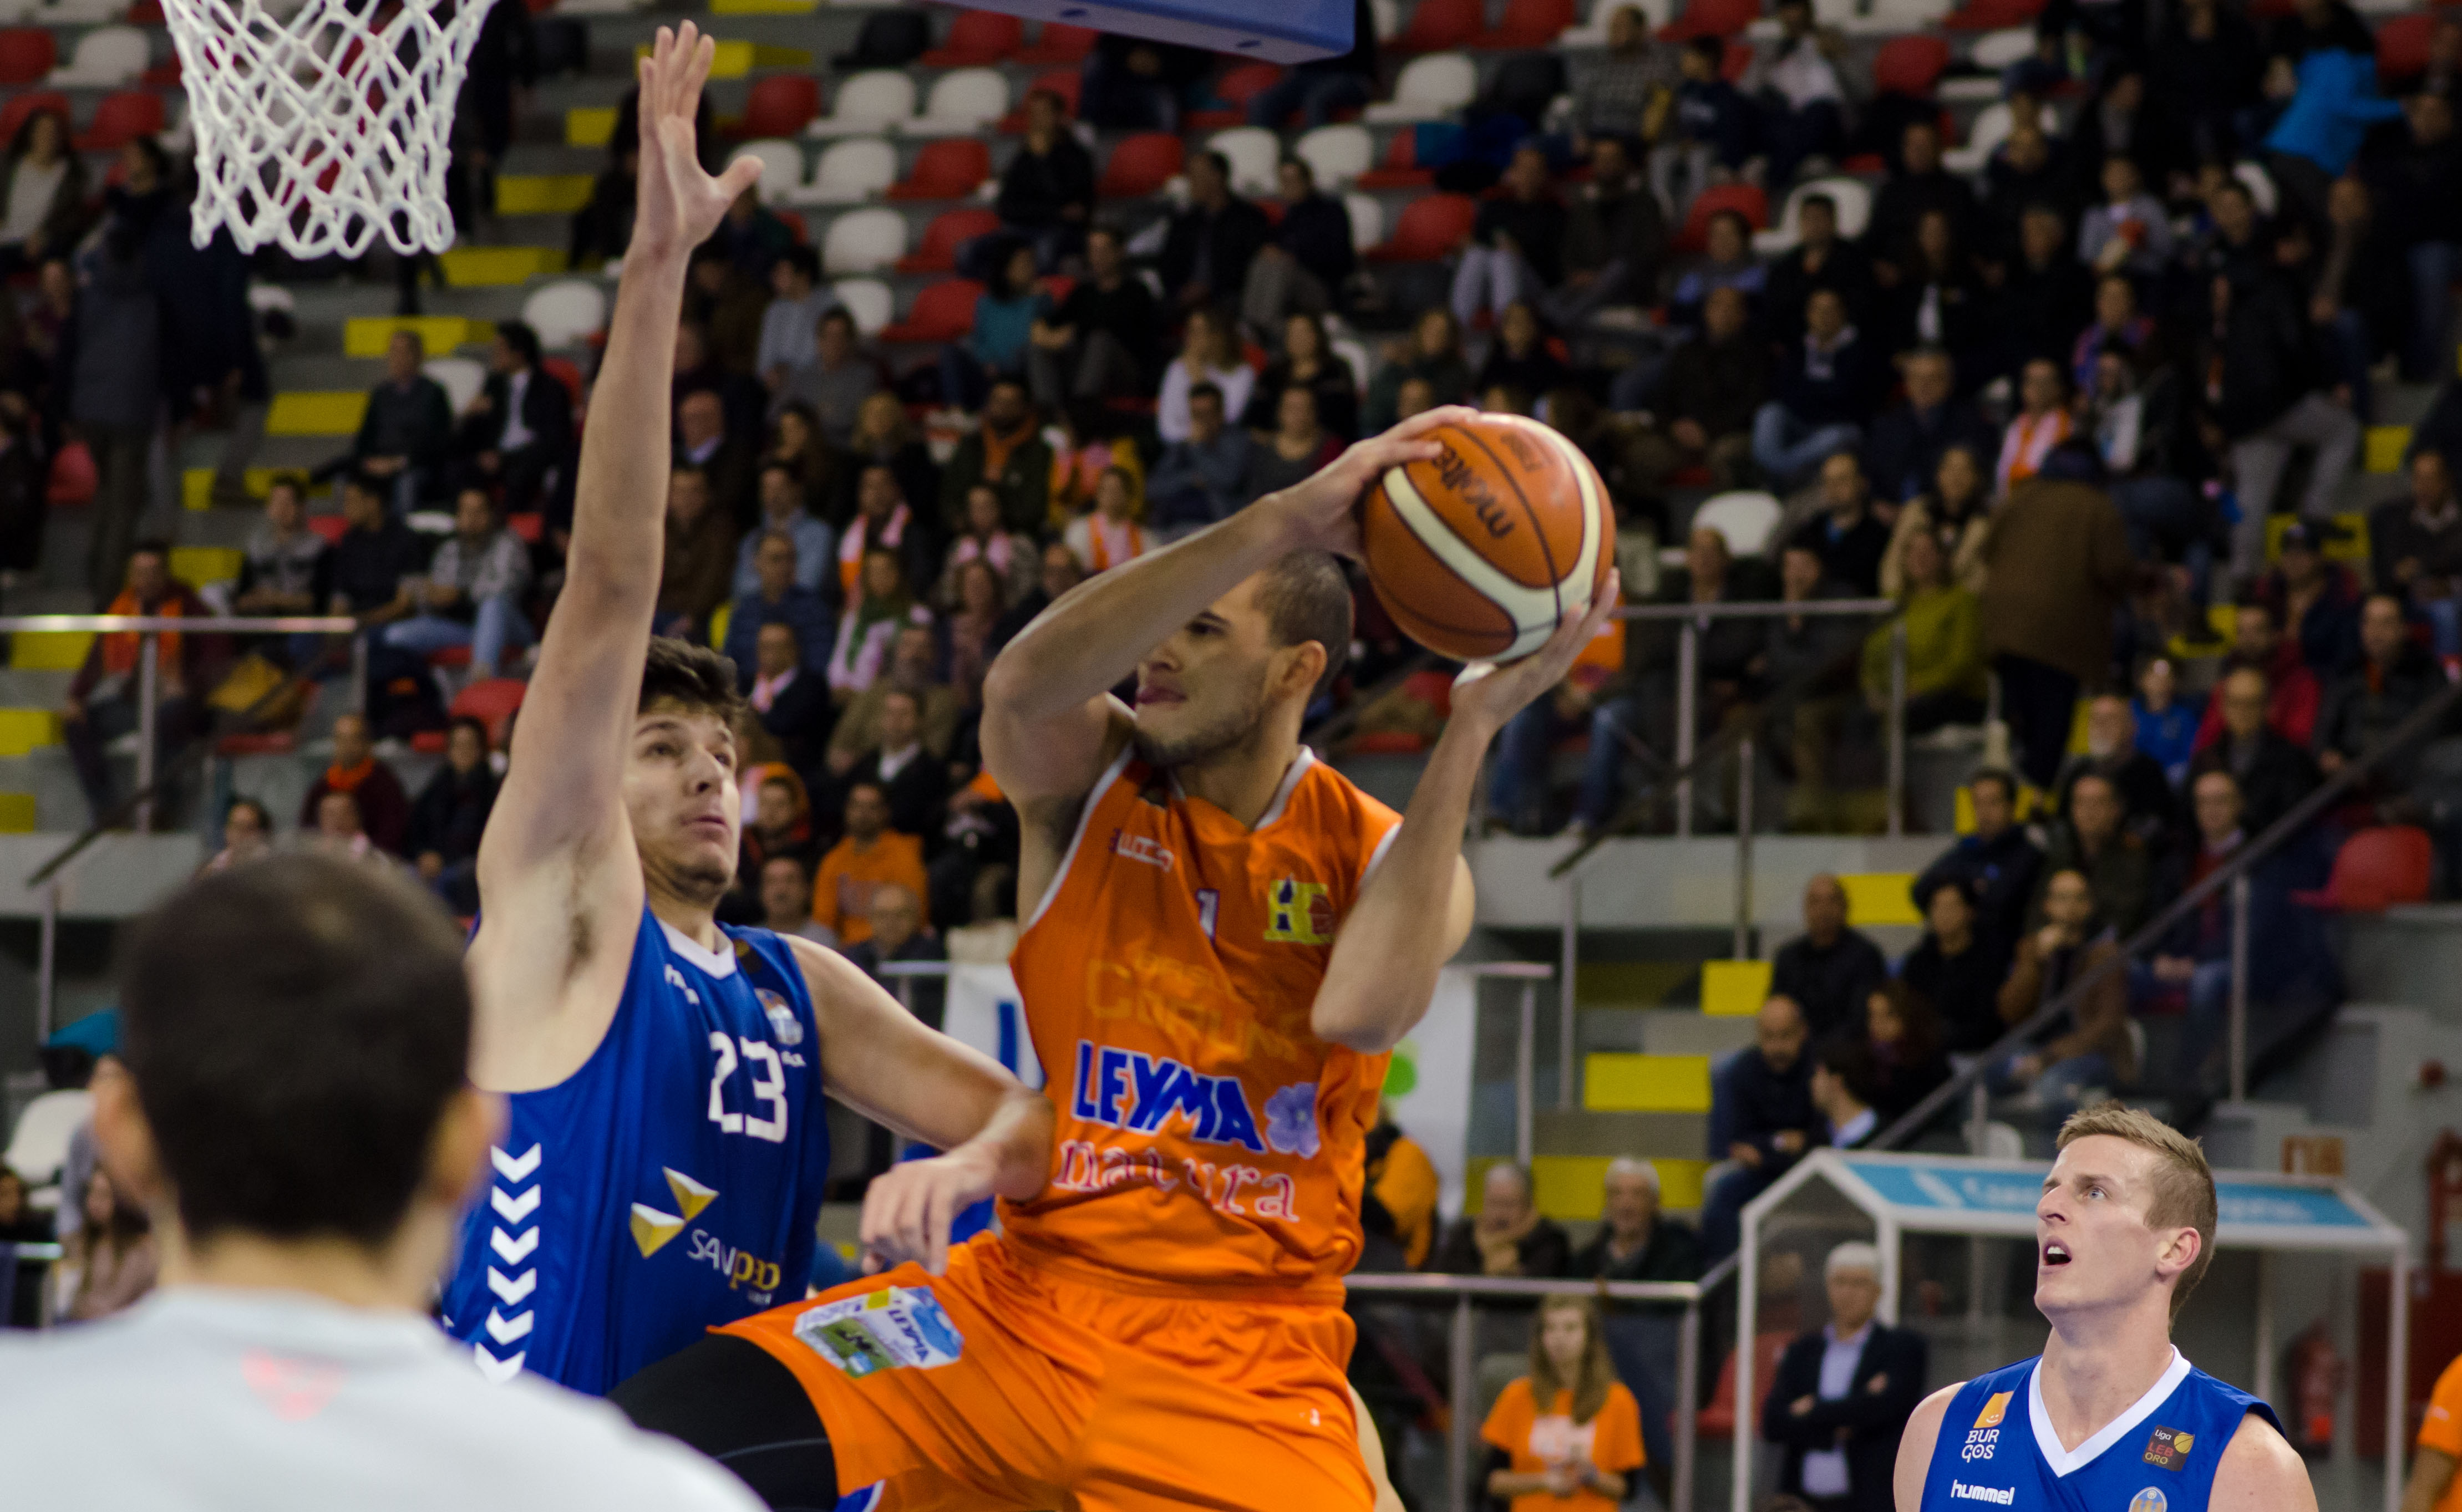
<point x="1480" y="554"/>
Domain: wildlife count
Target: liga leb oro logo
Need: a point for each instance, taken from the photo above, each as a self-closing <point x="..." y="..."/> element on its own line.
<point x="2168" y="1448"/>
<point x="1995" y="1408"/>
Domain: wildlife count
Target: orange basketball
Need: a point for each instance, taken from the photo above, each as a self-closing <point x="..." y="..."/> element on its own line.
<point x="1482" y="553"/>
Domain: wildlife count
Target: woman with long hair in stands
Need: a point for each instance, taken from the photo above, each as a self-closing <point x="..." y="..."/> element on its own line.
<point x="1566" y="1438"/>
<point x="111" y="1262"/>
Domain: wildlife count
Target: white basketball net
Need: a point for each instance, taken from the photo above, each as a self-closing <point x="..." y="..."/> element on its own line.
<point x="319" y="129"/>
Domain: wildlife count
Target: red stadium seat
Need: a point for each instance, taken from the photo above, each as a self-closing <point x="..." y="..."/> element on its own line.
<point x="145" y="12"/>
<point x="978" y="38"/>
<point x="1428" y="230"/>
<point x="1059" y="43"/>
<point x="1065" y="82"/>
<point x="781" y="105"/>
<point x="1711" y="18"/>
<point x="1528" y="24"/>
<point x="1440" y="26"/>
<point x="121" y="117"/>
<point x="1910" y="65"/>
<point x="1745" y="198"/>
<point x="1235" y="88"/>
<point x="328" y="527"/>
<point x="1993" y="15"/>
<point x="948" y="169"/>
<point x="2402" y="45"/>
<point x="527" y="528"/>
<point x="948" y="231"/>
<point x="2375" y="869"/>
<point x="943" y="312"/>
<point x="491" y="701"/>
<point x="74" y="480"/>
<point x="567" y="371"/>
<point x="1400" y="168"/>
<point x="27" y="53"/>
<point x="1718" y="1415"/>
<point x="1141" y="166"/>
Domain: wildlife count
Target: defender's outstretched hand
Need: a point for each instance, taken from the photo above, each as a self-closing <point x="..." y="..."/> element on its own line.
<point x="1323" y="510"/>
<point x="680" y="202"/>
<point x="1490" y="695"/>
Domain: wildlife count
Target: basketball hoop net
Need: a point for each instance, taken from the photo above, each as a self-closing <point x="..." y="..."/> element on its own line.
<point x="319" y="129"/>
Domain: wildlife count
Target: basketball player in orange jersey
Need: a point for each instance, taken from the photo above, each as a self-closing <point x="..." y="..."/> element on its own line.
<point x="1226" y="940"/>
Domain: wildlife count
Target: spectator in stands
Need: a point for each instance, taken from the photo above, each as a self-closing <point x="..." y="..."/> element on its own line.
<point x="1433" y="354"/>
<point x="791" y="319"/>
<point x="728" y="463"/>
<point x="729" y="303"/>
<point x="1569" y="1434"/>
<point x="2091" y="840"/>
<point x="789" y="696"/>
<point x="287" y="568"/>
<point x="783" y="514"/>
<point x="1955" y="972"/>
<point x="1047" y="190"/>
<point x="981" y="599"/>
<point x="1520" y="364"/>
<point x="376" y="560"/>
<point x="1109" y="534"/>
<point x="1623" y="92"/>
<point x="777" y="598"/>
<point x="1762" y="1119"/>
<point x="1517" y="244"/>
<point x="2044" y="294"/>
<point x="1309" y="259"/>
<point x="1715" y="382"/>
<point x="1132" y="84"/>
<point x="2093" y="1049"/>
<point x="1398" y="1200"/>
<point x="1727" y="262"/>
<point x="1827" y="970"/>
<point x="1806" y="664"/>
<point x="1909" y="444"/>
<point x="1615" y="239"/>
<point x="1005" y="313"/>
<point x="2363" y="706"/>
<point x="451" y="814"/>
<point x="2117" y="323"/>
<point x="2205" y="68"/>
<point x="518" y="431"/>
<point x="870" y="856"/>
<point x="2317" y="599"/>
<point x="2426" y="222"/>
<point x="1919" y="184"/>
<point x="1844" y="1395"/>
<point x="2043" y="422"/>
<point x="472" y="593"/>
<point x="1934" y="293"/>
<point x="1794" y="80"/>
<point x="987" y="539"/>
<point x="1298" y="446"/>
<point x="2267" y="396"/>
<point x="2272" y="772"/>
<point x="2136" y="777"/>
<point x="914" y="780"/>
<point x="113" y="365"/>
<point x="2166" y="726"/>
<point x="384" y="804"/>
<point x="1007" y="452"/>
<point x="1900" y="1050"/>
<point x="1211" y="241"/>
<point x="823" y="473"/>
<point x="112" y="1257"/>
<point x="406" y="433"/>
<point x="1845" y="535"/>
<point x="1821" y="259"/>
<point x="787" y="901"/>
<point x="2360" y="299"/>
<point x="1711" y="134"/>
<point x="2058" y="567"/>
<point x="2129" y="231"/>
<point x="699" y="555"/>
<point x="603" y="227"/>
<point x="2025" y="171"/>
<point x="883" y="521"/>
<point x="1823" y="395"/>
<point x="1309" y="362"/>
<point x="1209" y="354"/>
<point x="2320" y="132"/>
<point x="1057" y="573"/>
<point x="1997" y="864"/>
<point x="247" y="835"/>
<point x="45" y="203"/>
<point x="837" y="379"/>
<point x="2196" y="959"/>
<point x="2415" y="547"/>
<point x="102" y="698"/>
<point x="1947" y="678"/>
<point x="874" y="617"/>
<point x="1842" y="1090"/>
<point x="1508" y="1236"/>
<point x="1635" y="1241"/>
<point x="1203" y="479"/>
<point x="1101" y="341"/>
<point x="899" y="934"/>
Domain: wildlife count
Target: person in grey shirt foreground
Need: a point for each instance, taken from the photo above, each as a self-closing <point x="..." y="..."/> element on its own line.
<point x="290" y="1103"/>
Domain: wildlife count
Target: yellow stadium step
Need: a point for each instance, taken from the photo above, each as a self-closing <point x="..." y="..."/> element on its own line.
<point x="1571" y="1189"/>
<point x="198" y="566"/>
<point x="16" y="813"/>
<point x="542" y="193"/>
<point x="1880" y="897"/>
<point x="2386" y="445"/>
<point x="22" y="730"/>
<point x="197" y="484"/>
<point x="588" y="125"/>
<point x="736" y="59"/>
<point x="369" y="335"/>
<point x="484" y="267"/>
<point x="1734" y="989"/>
<point x="1617" y="1082"/>
<point x="2347" y="541"/>
<point x="325" y="413"/>
<point x="49" y="650"/>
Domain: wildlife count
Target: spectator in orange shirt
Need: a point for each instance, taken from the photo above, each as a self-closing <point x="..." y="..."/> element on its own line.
<point x="2434" y="1486"/>
<point x="871" y="854"/>
<point x="1575" y="1454"/>
<point x="384" y="805"/>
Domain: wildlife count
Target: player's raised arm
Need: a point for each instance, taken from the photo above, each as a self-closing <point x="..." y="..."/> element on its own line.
<point x="1384" y="966"/>
<point x="1048" y="722"/>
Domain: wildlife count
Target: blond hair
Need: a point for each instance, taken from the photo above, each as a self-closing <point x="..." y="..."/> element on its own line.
<point x="2184" y="1185"/>
<point x="1597" y="1373"/>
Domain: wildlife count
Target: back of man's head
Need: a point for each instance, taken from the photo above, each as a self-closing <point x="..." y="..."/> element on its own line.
<point x="295" y="1028"/>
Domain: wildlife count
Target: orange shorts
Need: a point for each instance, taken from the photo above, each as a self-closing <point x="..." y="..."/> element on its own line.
<point x="1009" y="1384"/>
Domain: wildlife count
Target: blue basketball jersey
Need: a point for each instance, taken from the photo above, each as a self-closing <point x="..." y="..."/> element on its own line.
<point x="668" y="1186"/>
<point x="1997" y="1447"/>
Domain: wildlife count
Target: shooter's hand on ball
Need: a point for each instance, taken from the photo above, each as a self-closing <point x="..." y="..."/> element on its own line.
<point x="1323" y="511"/>
<point x="1486" y="695"/>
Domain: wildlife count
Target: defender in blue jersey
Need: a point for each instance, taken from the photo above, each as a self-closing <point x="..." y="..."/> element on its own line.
<point x="2110" y="1418"/>
<point x="666" y="1152"/>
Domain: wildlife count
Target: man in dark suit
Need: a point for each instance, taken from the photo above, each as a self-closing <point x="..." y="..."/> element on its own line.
<point x="1207" y="249"/>
<point x="1843" y="1394"/>
<point x="518" y="431"/>
<point x="729" y="461"/>
<point x="790" y="700"/>
<point x="916" y="781"/>
<point x="2273" y="774"/>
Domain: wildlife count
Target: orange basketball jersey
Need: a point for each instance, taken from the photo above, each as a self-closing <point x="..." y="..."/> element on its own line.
<point x="1206" y="1137"/>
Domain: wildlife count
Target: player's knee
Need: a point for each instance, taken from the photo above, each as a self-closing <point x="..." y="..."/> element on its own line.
<point x="731" y="1400"/>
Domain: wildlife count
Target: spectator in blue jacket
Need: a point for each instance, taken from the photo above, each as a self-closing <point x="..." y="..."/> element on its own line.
<point x="2321" y="131"/>
<point x="778" y="599"/>
<point x="1711" y="134"/>
<point x="1005" y="315"/>
<point x="783" y="512"/>
<point x="1201" y="480"/>
<point x="1762" y="1119"/>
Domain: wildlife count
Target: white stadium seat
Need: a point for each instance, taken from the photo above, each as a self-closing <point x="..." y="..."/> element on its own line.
<point x="964" y="102"/>
<point x="106" y="57"/>
<point x="462" y="377"/>
<point x="1366" y="220"/>
<point x="863" y="242"/>
<point x="1998" y="50"/>
<point x="1429" y="88"/>
<point x="1991" y="128"/>
<point x="1743" y="518"/>
<point x="1255" y="154"/>
<point x="565" y="314"/>
<point x="1336" y="154"/>
<point x="850" y="172"/>
<point x="39" y="1145"/>
<point x="875" y="99"/>
<point x="1854" y="198"/>
<point x="868" y="300"/>
<point x="782" y="167"/>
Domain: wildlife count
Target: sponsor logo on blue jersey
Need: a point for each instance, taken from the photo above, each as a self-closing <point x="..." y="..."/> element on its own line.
<point x="1128" y="1089"/>
<point x="1998" y="1495"/>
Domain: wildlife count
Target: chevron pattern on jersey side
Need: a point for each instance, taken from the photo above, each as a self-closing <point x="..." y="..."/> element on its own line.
<point x="510" y="1321"/>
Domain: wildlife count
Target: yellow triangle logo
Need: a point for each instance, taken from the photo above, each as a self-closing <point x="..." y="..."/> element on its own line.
<point x="690" y="1195"/>
<point x="651" y="1228"/>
